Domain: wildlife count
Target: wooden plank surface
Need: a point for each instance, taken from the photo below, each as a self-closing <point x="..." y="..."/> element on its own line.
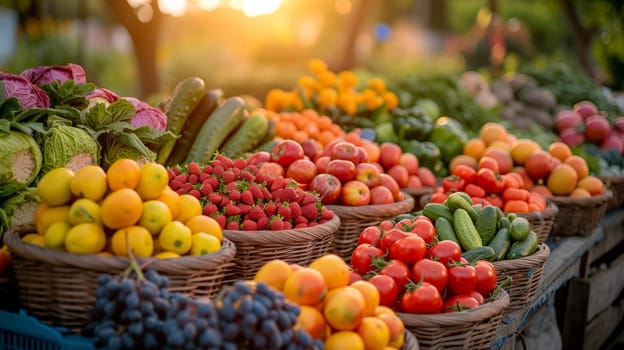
<point x="605" y="286"/>
<point x="601" y="327"/>
<point x="612" y="225"/>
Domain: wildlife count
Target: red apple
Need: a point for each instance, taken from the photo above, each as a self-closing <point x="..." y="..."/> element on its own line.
<point x="389" y="154"/>
<point x="400" y="174"/>
<point x="345" y="151"/>
<point x="613" y="141"/>
<point x="410" y="162"/>
<point x="389" y="182"/>
<point x="585" y="108"/>
<point x="329" y="146"/>
<point x="286" y="152"/>
<point x="311" y="148"/>
<point x="571" y="137"/>
<point x="427" y="177"/>
<point x="271" y="169"/>
<point x="321" y="164"/>
<point x="381" y="195"/>
<point x="368" y="173"/>
<point x="619" y="124"/>
<point x="414" y="182"/>
<point x="344" y="170"/>
<point x="327" y="186"/>
<point x="539" y="164"/>
<point x="381" y="169"/>
<point x="259" y="158"/>
<point x="363" y="155"/>
<point x="355" y="193"/>
<point x="302" y="171"/>
<point x="596" y="128"/>
<point x="567" y="118"/>
<point x="372" y="149"/>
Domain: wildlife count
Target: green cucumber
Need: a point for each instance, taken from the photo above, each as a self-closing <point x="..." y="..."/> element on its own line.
<point x="444" y="229"/>
<point x="436" y="210"/>
<point x="523" y="248"/>
<point x="246" y="137"/>
<point x="500" y="243"/>
<point x="519" y="228"/>
<point x="457" y="200"/>
<point x="403" y="216"/>
<point x="486" y="223"/>
<point x="503" y="223"/>
<point x="465" y="230"/>
<point x="480" y="253"/>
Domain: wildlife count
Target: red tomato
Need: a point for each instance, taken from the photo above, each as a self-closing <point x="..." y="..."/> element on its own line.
<point x="354" y="276"/>
<point x="390" y="237"/>
<point x="424" y="229"/>
<point x="286" y="152"/>
<point x="388" y="290"/>
<point x="459" y="302"/>
<point x="404" y="225"/>
<point x="399" y="271"/>
<point x="465" y="172"/>
<point x="430" y="271"/>
<point x="421" y="299"/>
<point x="486" y="277"/>
<point x="445" y="251"/>
<point x="474" y="190"/>
<point x="489" y="180"/>
<point x="386" y="225"/>
<point x="453" y="183"/>
<point x="370" y="235"/>
<point x="495" y="200"/>
<point x="478" y="296"/>
<point x="462" y="279"/>
<point x="361" y="257"/>
<point x="422" y="217"/>
<point x="409" y="249"/>
<point x="438" y="197"/>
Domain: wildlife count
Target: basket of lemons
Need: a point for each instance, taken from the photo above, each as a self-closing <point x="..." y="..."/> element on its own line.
<point x="90" y="221"/>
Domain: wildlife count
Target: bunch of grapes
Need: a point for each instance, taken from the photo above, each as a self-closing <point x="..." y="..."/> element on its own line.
<point x="255" y="316"/>
<point x="192" y="324"/>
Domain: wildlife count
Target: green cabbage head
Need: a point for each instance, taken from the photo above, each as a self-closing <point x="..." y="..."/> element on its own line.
<point x="20" y="161"/>
<point x="69" y="147"/>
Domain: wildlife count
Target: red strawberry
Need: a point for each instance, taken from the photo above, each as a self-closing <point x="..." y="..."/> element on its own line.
<point x="193" y="179"/>
<point x="270" y="209"/>
<point x="267" y="195"/>
<point x="218" y="170"/>
<point x="310" y="211"/>
<point x="206" y="189"/>
<point x="175" y="184"/>
<point x="256" y="191"/>
<point x="247" y="197"/>
<point x="278" y="183"/>
<point x="203" y="177"/>
<point x="263" y="222"/>
<point x="187" y="187"/>
<point x="244" y="208"/>
<point x="225" y="201"/>
<point x="240" y="163"/>
<point x="252" y="168"/>
<point x="182" y="178"/>
<point x="214" y="182"/>
<point x="276" y="225"/>
<point x="290" y="194"/>
<point x="246" y="175"/>
<point x="301" y="225"/>
<point x="300" y="220"/>
<point x="236" y="172"/>
<point x="327" y="214"/>
<point x="312" y="223"/>
<point x="277" y="194"/>
<point x="235" y="195"/>
<point x="215" y="198"/>
<point x="256" y="213"/>
<point x="228" y="176"/>
<point x="171" y="174"/>
<point x="308" y="198"/>
<point x="232" y="225"/>
<point x="295" y="209"/>
<point x="210" y="209"/>
<point x="195" y="193"/>
<point x="194" y="168"/>
<point x="231" y="186"/>
<point x="226" y="162"/>
<point x="180" y="191"/>
<point x="285" y="212"/>
<point x="176" y="170"/>
<point x="208" y="169"/>
<point x="250" y="225"/>
<point x="221" y="220"/>
<point x="287" y="225"/>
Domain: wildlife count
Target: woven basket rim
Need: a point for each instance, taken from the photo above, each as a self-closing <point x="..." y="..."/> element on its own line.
<point x="374" y="210"/>
<point x="583" y="202"/>
<point x="612" y="179"/>
<point x="419" y="191"/>
<point x="468" y="317"/>
<point x="541" y="254"/>
<point x="108" y="263"/>
<point x="283" y="236"/>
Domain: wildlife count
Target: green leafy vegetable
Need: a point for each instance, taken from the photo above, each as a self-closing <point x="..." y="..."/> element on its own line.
<point x="20" y="162"/>
<point x="69" y="147"/>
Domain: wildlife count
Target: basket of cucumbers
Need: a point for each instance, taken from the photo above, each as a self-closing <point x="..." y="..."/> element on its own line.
<point x="485" y="232"/>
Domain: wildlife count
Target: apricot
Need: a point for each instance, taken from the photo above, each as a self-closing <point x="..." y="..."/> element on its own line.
<point x="562" y="180"/>
<point x="580" y="193"/>
<point x="503" y="158"/>
<point x="579" y="164"/>
<point x="522" y="149"/>
<point x="592" y="184"/>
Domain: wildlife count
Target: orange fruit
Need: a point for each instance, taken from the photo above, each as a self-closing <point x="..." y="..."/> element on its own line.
<point x="592" y="184"/>
<point x="305" y="286"/>
<point x="522" y="149"/>
<point x="121" y="208"/>
<point x="396" y="328"/>
<point x="474" y="148"/>
<point x="274" y="273"/>
<point x="370" y="294"/>
<point x="123" y="173"/>
<point x="344" y="340"/>
<point x="334" y="270"/>
<point x="559" y="150"/>
<point x="579" y="164"/>
<point x="491" y="132"/>
<point x="344" y="308"/>
<point x="580" y="193"/>
<point x="312" y="321"/>
<point x="374" y="332"/>
<point x="153" y="180"/>
<point x="562" y="180"/>
<point x="205" y="224"/>
<point x="501" y="145"/>
<point x="171" y="199"/>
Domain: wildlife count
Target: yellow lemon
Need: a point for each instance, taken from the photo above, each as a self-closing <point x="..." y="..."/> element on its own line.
<point x="155" y="216"/>
<point x="175" y="237"/>
<point x="121" y="208"/>
<point x="84" y="210"/>
<point x="167" y="255"/>
<point x="123" y="173"/>
<point x="50" y="215"/>
<point x="39" y="240"/>
<point x="172" y="199"/>
<point x="89" y="182"/>
<point x="54" y="237"/>
<point x="30" y="237"/>
<point x="189" y="207"/>
<point x="137" y="238"/>
<point x="153" y="180"/>
<point x="85" y="238"/>
<point x="206" y="224"/>
<point x="53" y="188"/>
<point x="203" y="243"/>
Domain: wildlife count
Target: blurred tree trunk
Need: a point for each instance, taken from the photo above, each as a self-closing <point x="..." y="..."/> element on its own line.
<point x="144" y="40"/>
<point x="355" y="26"/>
<point x="582" y="36"/>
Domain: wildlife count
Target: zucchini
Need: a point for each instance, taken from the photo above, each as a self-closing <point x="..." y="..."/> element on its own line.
<point x="246" y="137"/>
<point x="270" y="132"/>
<point x="480" y="253"/>
<point x="500" y="243"/>
<point x="486" y="223"/>
<point x="523" y="248"/>
<point x="192" y="125"/>
<point x="465" y="230"/>
<point x="457" y="200"/>
<point x="519" y="228"/>
<point x="185" y="97"/>
<point x="267" y="146"/>
<point x="213" y="132"/>
<point x="444" y="230"/>
<point x="436" y="210"/>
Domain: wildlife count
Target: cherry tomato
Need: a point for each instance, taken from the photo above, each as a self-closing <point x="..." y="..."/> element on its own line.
<point x="465" y="172"/>
<point x="388" y="290"/>
<point x="390" y="237"/>
<point x="478" y="296"/>
<point x="421" y="299"/>
<point x="461" y="279"/>
<point x="424" y="229"/>
<point x="386" y="225"/>
<point x="459" y="302"/>
<point x="445" y="251"/>
<point x="370" y="235"/>
<point x="486" y="277"/>
<point x="361" y="257"/>
<point x="409" y="249"/>
<point x="399" y="271"/>
<point x="430" y="271"/>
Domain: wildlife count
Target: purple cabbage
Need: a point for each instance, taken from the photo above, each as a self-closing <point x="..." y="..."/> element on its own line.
<point x="101" y="95"/>
<point x="28" y="95"/>
<point x="49" y="74"/>
<point x="147" y="115"/>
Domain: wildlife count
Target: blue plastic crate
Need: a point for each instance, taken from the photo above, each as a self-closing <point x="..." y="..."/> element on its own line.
<point x="18" y="331"/>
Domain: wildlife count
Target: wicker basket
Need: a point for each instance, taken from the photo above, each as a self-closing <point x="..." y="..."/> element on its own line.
<point x="59" y="288"/>
<point x="542" y="221"/>
<point x="579" y="216"/>
<point x="355" y="219"/>
<point x="409" y="341"/>
<point x="296" y="246"/>
<point x="616" y="185"/>
<point x="526" y="274"/>
<point x="471" y="329"/>
<point x="418" y="193"/>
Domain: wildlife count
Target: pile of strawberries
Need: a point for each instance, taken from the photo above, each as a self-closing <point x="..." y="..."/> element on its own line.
<point x="238" y="197"/>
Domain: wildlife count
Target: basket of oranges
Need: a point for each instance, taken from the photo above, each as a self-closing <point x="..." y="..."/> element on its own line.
<point x="89" y="223"/>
